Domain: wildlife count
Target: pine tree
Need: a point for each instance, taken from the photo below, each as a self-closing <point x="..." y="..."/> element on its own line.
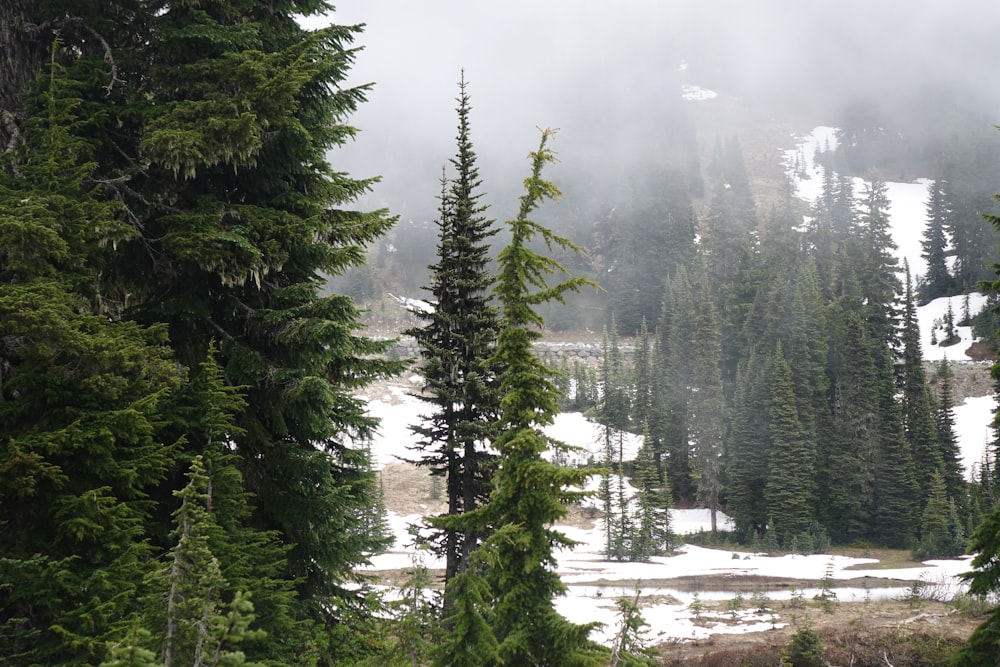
<point x="790" y="470"/>
<point x="875" y="263"/>
<point x="984" y="581"/>
<point x="934" y="244"/>
<point x="940" y="536"/>
<point x="456" y="342"/>
<point x="750" y="442"/>
<point x="204" y="130"/>
<point x="530" y="492"/>
<point x="672" y="377"/>
<point x="614" y="419"/>
<point x="951" y="456"/>
<point x="653" y="535"/>
<point x="918" y="411"/>
<point x="850" y="456"/>
<point x="196" y="630"/>
<point x="706" y="406"/>
<point x="897" y="493"/>
<point x="643" y="364"/>
<point x="82" y="437"/>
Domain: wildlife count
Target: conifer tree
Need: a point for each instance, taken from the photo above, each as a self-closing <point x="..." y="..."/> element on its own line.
<point x="934" y="244"/>
<point x="790" y="470"/>
<point x="82" y="426"/>
<point x="876" y="265"/>
<point x="614" y="419"/>
<point x="672" y="377"/>
<point x="984" y="580"/>
<point x="196" y="630"/>
<point x="530" y="492"/>
<point x="205" y="130"/>
<point x="747" y="456"/>
<point x="918" y="412"/>
<point x="896" y="493"/>
<point x="456" y="342"/>
<point x="653" y="534"/>
<point x="706" y="406"/>
<point x="850" y="455"/>
<point x="951" y="456"/>
<point x="940" y="536"/>
<point x="643" y="364"/>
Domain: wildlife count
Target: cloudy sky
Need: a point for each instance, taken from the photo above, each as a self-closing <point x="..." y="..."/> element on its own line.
<point x="586" y="66"/>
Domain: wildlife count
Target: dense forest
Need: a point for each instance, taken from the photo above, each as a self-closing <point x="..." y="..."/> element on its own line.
<point x="185" y="474"/>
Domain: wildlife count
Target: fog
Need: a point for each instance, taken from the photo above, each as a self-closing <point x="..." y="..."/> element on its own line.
<point x="606" y="73"/>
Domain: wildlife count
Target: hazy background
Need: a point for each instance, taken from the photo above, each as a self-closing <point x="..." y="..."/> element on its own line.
<point x="605" y="72"/>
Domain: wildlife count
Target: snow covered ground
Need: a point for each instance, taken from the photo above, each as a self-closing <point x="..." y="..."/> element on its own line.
<point x="909" y="218"/>
<point x="595" y="584"/>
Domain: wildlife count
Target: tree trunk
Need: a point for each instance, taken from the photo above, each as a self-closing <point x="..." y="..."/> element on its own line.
<point x="21" y="56"/>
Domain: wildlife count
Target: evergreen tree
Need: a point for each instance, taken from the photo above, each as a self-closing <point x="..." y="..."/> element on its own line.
<point x="951" y="455"/>
<point x="614" y="419"/>
<point x="918" y="411"/>
<point x="643" y="364"/>
<point x="196" y="631"/>
<point x="897" y="493"/>
<point x="204" y="130"/>
<point x="653" y="535"/>
<point x="530" y="492"/>
<point x="706" y="406"/>
<point x="984" y="581"/>
<point x="940" y="533"/>
<point x="934" y="244"/>
<point x="672" y="377"/>
<point x="82" y="401"/>
<point x="876" y="265"/>
<point x="790" y="470"/>
<point x="456" y="342"/>
<point x="747" y="466"/>
<point x="850" y="455"/>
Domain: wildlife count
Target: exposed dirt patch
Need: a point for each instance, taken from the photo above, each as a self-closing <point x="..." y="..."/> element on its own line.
<point x="847" y="629"/>
<point x="409" y="489"/>
<point x="980" y="351"/>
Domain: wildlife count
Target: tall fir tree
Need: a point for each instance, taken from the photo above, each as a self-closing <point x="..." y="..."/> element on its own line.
<point x="747" y="467"/>
<point x="919" y="422"/>
<point x="613" y="416"/>
<point x="790" y="469"/>
<point x="951" y="455"/>
<point x="82" y="425"/>
<point x="530" y="492"/>
<point x="706" y="405"/>
<point x="934" y="244"/>
<point x="457" y="341"/>
<point x="207" y="128"/>
<point x="653" y="534"/>
<point x="672" y="372"/>
<point x="984" y="581"/>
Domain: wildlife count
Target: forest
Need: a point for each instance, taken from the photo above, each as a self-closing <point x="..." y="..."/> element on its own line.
<point x="188" y="276"/>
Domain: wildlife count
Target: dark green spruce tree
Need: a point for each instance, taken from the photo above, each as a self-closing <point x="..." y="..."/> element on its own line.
<point x="790" y="469"/>
<point x="984" y="581"/>
<point x="747" y="467"/>
<point x="82" y="427"/>
<point x="457" y="341"/>
<point x="706" y="405"/>
<point x="206" y="130"/>
<point x="613" y="415"/>
<point x="919" y="422"/>
<point x="530" y="492"/>
<point x="934" y="244"/>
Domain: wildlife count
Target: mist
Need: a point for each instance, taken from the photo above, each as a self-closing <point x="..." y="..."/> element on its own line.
<point x="602" y="73"/>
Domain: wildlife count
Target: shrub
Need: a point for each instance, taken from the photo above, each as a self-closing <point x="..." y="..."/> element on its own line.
<point x="804" y="650"/>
